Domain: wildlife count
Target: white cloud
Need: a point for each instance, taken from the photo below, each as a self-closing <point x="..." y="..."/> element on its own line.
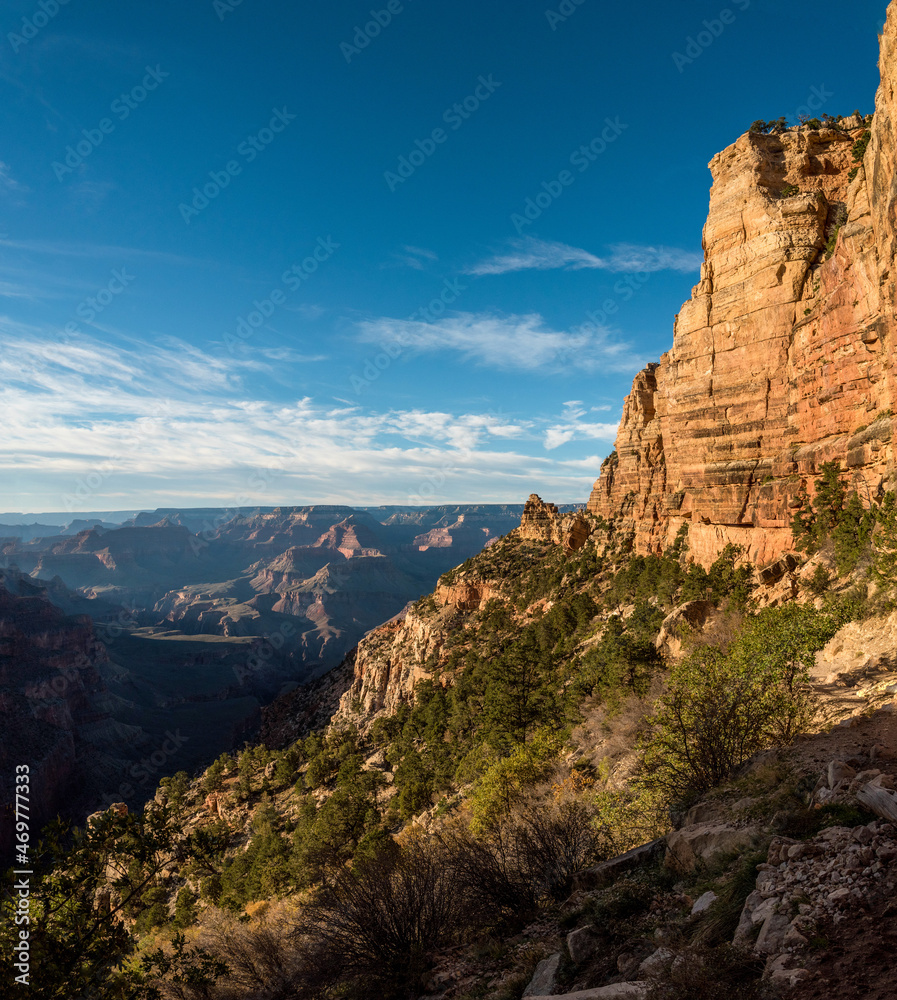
<point x="8" y="183"/>
<point x="162" y="423"/>
<point x="521" y="343"/>
<point x="529" y="253"/>
<point x="287" y="355"/>
<point x="575" y="431"/>
<point x="414" y="257"/>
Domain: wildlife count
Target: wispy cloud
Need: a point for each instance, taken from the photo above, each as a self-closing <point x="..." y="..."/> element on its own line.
<point x="12" y="189"/>
<point x="577" y="431"/>
<point x="414" y="257"/>
<point x="571" y="427"/>
<point x="515" y="343"/>
<point x="288" y="356"/>
<point x="96" y="251"/>
<point x="167" y="422"/>
<point x="529" y="253"/>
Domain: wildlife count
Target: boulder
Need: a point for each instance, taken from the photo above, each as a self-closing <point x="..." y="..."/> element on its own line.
<point x="582" y="944"/>
<point x="544" y="978"/>
<point x="601" y="875"/>
<point x="657" y="963"/>
<point x="688" y="618"/>
<point x="746" y="924"/>
<point x="838" y="771"/>
<point x="781" y="975"/>
<point x="772" y="934"/>
<point x="703" y="903"/>
<point x="688" y="846"/>
<point x="703" y="812"/>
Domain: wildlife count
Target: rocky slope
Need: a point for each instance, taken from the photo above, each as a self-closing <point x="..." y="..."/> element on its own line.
<point x="50" y="689"/>
<point x="782" y="358"/>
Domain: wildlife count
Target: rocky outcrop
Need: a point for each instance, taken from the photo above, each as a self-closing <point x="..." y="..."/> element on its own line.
<point x="781" y="360"/>
<point x="686" y="621"/>
<point x="542" y="522"/>
<point x="389" y="662"/>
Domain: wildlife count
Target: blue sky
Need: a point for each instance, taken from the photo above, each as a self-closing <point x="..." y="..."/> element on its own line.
<point x="408" y="252"/>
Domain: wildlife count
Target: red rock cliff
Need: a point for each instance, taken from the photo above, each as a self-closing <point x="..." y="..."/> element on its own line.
<point x="783" y="357"/>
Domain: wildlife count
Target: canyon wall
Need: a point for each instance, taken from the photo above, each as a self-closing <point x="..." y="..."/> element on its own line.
<point x="781" y="358"/>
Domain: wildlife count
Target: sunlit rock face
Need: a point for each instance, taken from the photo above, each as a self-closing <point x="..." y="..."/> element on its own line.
<point x="782" y="359"/>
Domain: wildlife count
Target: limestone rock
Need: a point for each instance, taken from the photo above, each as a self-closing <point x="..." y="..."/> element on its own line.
<point x="703" y="903"/>
<point x="539" y="521"/>
<point x="838" y="771"/>
<point x="772" y="934"/>
<point x="777" y="361"/>
<point x="542" y="522"/>
<point x="544" y="982"/>
<point x="118" y="809"/>
<point x="747" y="923"/>
<point x="688" y="619"/>
<point x="600" y="875"/>
<point x="582" y="944"/>
<point x="657" y="963"/>
<point x="688" y="846"/>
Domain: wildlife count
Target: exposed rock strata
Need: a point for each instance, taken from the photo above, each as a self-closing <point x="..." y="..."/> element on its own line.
<point x="542" y="522"/>
<point x="781" y="360"/>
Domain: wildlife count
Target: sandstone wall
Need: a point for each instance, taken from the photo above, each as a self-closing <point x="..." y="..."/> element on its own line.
<point x="781" y="358"/>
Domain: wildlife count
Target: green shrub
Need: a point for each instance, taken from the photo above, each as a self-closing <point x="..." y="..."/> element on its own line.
<point x="722" y="580"/>
<point x="820" y="581"/>
<point x="504" y="783"/>
<point x="722" y="708"/>
<point x="185" y="908"/>
<point x="834" y="514"/>
<point x="860" y="146"/>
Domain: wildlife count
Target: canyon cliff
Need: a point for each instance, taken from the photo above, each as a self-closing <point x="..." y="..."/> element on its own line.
<point x="782" y="358"/>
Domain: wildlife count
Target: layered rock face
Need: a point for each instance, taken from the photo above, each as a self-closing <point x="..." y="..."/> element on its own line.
<point x="542" y="522"/>
<point x="781" y="359"/>
<point x="387" y="665"/>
